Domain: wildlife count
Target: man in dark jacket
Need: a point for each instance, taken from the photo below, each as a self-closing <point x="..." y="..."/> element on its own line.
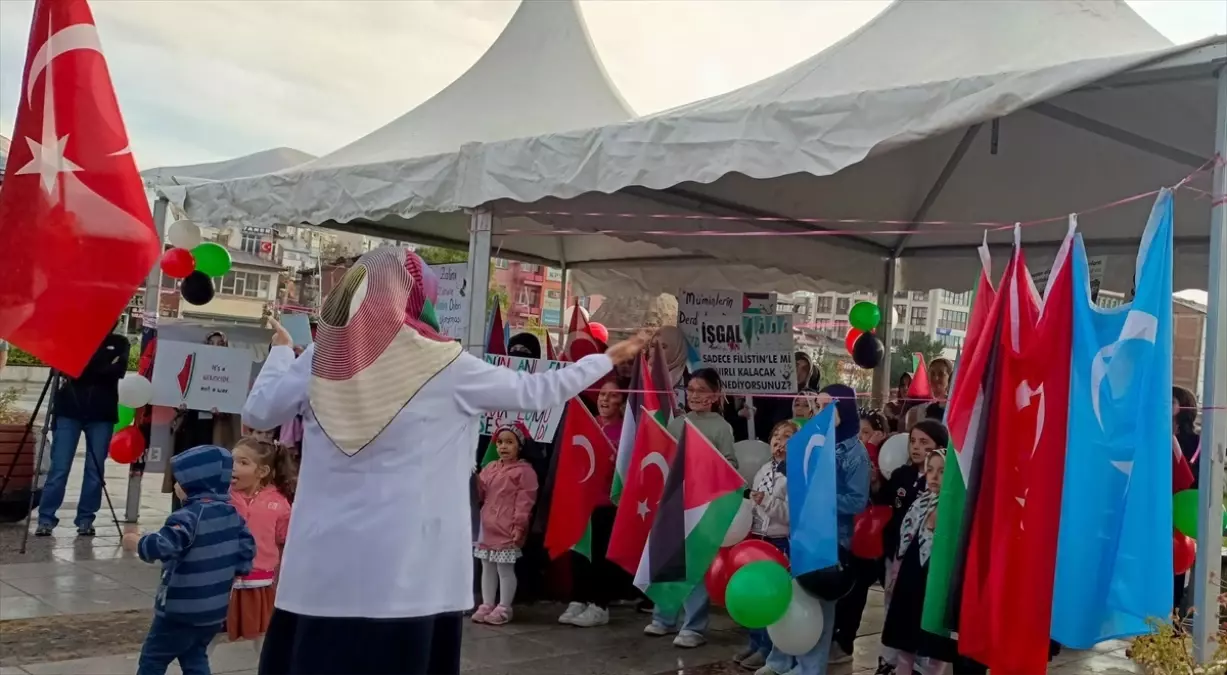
<point x="87" y="404"/>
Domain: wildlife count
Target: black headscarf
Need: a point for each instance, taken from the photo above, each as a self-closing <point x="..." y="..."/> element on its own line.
<point x="849" y="415"/>
<point x="524" y="344"/>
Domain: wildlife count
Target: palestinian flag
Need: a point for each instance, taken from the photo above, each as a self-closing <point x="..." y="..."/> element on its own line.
<point x="585" y="462"/>
<point x="702" y="495"/>
<point x="651" y="391"/>
<point x="654" y="449"/>
<point x="496" y="340"/>
<point x="967" y="419"/>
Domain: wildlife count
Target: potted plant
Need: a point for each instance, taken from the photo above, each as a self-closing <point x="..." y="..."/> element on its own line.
<point x="15" y="497"/>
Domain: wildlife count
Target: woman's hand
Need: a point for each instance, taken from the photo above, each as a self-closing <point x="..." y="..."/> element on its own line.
<point x="281" y="336"/>
<point x="628" y="349"/>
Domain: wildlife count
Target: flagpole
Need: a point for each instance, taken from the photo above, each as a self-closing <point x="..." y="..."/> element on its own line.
<point x="1207" y="572"/>
<point x="480" y="224"/>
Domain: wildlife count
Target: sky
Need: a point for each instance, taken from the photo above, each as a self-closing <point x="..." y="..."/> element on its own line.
<point x="204" y="80"/>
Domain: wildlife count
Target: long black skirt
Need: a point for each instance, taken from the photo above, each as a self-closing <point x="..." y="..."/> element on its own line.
<point x="309" y="645"/>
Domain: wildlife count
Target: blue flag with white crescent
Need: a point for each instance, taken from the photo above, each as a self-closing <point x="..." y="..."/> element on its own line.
<point x="1114" y="550"/>
<point x="813" y="531"/>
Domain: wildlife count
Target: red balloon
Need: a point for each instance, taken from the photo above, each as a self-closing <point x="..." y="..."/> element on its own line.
<point x="850" y="339"/>
<point x="178" y="263"/>
<point x="750" y="550"/>
<point x="867" y="530"/>
<point x="127" y="445"/>
<point x="599" y="331"/>
<point x="1183" y="553"/>
<point x="717" y="578"/>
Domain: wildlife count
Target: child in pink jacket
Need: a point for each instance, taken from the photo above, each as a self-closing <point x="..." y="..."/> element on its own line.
<point x="261" y="487"/>
<point x="507" y="490"/>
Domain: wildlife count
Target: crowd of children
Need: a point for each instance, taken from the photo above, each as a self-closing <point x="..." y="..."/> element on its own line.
<point x="236" y="505"/>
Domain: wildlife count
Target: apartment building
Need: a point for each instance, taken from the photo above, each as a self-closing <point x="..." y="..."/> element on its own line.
<point x="534" y="293"/>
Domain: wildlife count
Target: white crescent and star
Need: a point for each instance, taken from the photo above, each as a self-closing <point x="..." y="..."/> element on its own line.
<point x="657" y="460"/>
<point x="1022" y="399"/>
<point x="583" y="442"/>
<point x="49" y="160"/>
<point x="815" y="441"/>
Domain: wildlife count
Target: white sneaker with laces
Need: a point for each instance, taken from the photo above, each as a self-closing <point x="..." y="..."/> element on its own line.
<point x="573" y="610"/>
<point x="689" y="639"/>
<point x="657" y="629"/>
<point x="754" y="661"/>
<point x="745" y="653"/>
<point x="591" y="616"/>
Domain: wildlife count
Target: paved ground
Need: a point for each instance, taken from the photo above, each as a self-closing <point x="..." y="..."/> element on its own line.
<point x="78" y="606"/>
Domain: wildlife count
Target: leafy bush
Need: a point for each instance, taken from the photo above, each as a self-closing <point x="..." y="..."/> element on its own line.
<point x="1169" y="651"/>
<point x="9" y="414"/>
<point x="20" y="357"/>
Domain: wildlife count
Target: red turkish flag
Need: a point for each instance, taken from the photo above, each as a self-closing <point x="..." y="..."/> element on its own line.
<point x="581" y="481"/>
<point x="76" y="235"/>
<point x="651" y="459"/>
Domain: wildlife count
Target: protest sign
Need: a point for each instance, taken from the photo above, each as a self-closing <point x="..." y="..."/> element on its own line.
<point x="452" y="308"/>
<point x="299" y="328"/>
<point x="693" y="305"/>
<point x="540" y="424"/>
<point x="202" y="377"/>
<point x="752" y="352"/>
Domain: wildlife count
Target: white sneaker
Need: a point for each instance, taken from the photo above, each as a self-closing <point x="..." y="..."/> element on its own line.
<point x="573" y="610"/>
<point x="754" y="661"/>
<point x="591" y="616"/>
<point x="689" y="639"/>
<point x="767" y="670"/>
<point x="838" y="656"/>
<point x="657" y="629"/>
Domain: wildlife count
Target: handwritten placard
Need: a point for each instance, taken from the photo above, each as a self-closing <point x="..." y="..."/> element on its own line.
<point x="752" y="352"/>
<point x="202" y="377"/>
<point x="540" y="424"/>
<point x="452" y="308"/>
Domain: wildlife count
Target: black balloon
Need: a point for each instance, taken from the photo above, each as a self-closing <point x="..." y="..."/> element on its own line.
<point x="868" y="351"/>
<point x="830" y="583"/>
<point x="196" y="288"/>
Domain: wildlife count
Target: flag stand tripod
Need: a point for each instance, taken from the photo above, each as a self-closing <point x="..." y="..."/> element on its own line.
<point x="52" y="385"/>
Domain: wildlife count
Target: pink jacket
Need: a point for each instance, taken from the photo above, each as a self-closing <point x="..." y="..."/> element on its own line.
<point x="268" y="517"/>
<point x="507" y="491"/>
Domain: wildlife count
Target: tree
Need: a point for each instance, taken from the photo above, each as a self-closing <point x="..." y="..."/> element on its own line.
<point x="435" y="255"/>
<point x="901" y="357"/>
<point x="499" y="294"/>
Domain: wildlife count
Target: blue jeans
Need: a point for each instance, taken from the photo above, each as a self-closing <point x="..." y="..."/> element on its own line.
<point x="169" y="640"/>
<point x="814" y="662"/>
<point x="63" y="448"/>
<point x="694" y="611"/>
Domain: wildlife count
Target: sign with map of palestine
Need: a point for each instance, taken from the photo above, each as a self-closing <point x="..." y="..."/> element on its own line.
<point x="202" y="377"/>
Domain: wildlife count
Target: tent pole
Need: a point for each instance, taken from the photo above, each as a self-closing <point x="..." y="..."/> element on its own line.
<point x="149" y="322"/>
<point x="886" y="303"/>
<point x="1207" y="573"/>
<point x="480" y="224"/>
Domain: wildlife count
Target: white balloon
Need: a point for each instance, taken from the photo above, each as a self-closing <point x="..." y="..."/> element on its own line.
<point x="740" y="528"/>
<point x="184" y="234"/>
<point x="801" y="626"/>
<point x="566" y="317"/>
<point x="893" y="454"/>
<point x="751" y="456"/>
<point x="135" y="391"/>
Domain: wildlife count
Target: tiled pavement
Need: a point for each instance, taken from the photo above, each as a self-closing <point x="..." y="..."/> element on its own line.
<point x="64" y="577"/>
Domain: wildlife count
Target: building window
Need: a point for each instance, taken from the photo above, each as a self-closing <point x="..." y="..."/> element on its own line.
<point x="500" y="263"/>
<point x="962" y="299"/>
<point x="896" y="337"/>
<point x="243" y="284"/>
<point x="1109" y="301"/>
<point x="825" y="303"/>
<point x="842" y="305"/>
<point x="920" y="316"/>
<point x="953" y="319"/>
<point x="838" y="329"/>
<point x="529" y="295"/>
<point x="901" y="295"/>
<point x="920" y="295"/>
<point x="529" y="268"/>
<point x="250" y="243"/>
<point x="901" y="313"/>
<point x="952" y="341"/>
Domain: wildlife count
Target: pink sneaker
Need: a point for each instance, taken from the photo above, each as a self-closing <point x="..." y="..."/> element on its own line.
<point x="500" y="616"/>
<point x="482" y="615"/>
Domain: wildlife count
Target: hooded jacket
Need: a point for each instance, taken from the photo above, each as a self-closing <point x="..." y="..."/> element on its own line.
<point x="204" y="545"/>
<point x="851" y="462"/>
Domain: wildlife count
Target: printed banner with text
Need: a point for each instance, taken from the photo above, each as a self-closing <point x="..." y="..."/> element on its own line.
<point x="752" y="352"/>
<point x="202" y="377"/>
<point x="452" y="308"/>
<point x="541" y="424"/>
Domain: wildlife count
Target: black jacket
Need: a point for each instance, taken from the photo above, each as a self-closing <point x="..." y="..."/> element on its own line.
<point x="94" y="396"/>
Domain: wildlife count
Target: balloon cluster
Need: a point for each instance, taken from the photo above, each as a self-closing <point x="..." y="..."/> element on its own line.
<point x="866" y="349"/>
<point x="194" y="262"/>
<point x="750" y="578"/>
<point x="127" y="444"/>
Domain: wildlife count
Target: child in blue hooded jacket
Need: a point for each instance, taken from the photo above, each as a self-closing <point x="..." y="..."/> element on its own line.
<point x="203" y="546"/>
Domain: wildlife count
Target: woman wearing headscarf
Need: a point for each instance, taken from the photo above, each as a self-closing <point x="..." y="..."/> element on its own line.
<point x="376" y="570"/>
<point x="851" y="497"/>
<point x="525" y="345"/>
<point x="191" y="428"/>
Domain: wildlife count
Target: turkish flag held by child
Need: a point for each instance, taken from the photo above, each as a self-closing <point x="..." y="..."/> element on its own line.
<point x="581" y="481"/>
<point x="75" y="229"/>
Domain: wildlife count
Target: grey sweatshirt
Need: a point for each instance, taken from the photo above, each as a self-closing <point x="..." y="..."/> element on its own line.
<point x="713" y="426"/>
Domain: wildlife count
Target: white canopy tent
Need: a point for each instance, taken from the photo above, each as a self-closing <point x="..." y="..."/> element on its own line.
<point x="265" y="161"/>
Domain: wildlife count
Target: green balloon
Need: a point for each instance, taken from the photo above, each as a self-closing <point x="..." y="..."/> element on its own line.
<point x="1185" y="508"/>
<point x="758" y="594"/>
<point x="212" y="259"/>
<point x="126" y="416"/>
<point x="865" y="316"/>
